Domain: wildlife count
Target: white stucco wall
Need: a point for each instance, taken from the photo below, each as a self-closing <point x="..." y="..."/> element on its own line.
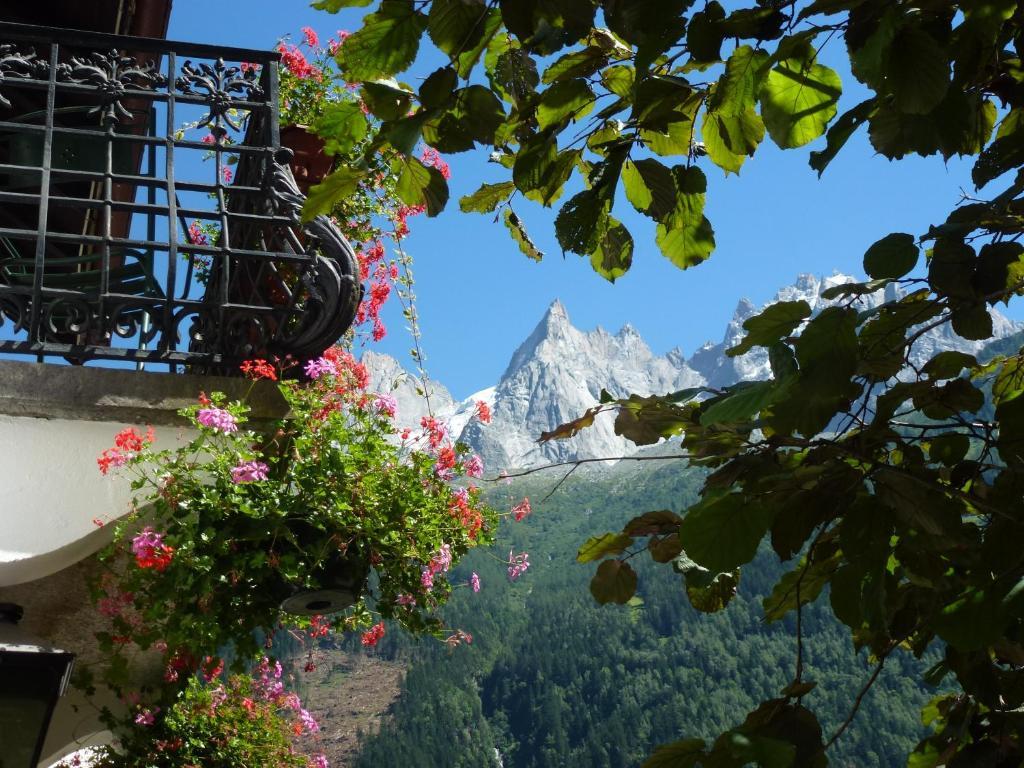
<point x="52" y="490"/>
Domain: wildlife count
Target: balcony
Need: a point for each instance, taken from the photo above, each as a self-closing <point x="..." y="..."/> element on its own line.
<point x="147" y="212"/>
<point x="149" y="220"/>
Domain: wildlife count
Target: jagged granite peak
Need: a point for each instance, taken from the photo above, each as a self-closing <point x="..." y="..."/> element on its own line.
<point x="558" y="372"/>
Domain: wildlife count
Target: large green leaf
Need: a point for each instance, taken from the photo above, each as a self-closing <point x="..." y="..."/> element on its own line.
<point x="730" y="138"/>
<point x="840" y="132"/>
<point x="737" y="89"/>
<point x="333" y="6"/>
<point x="723" y="531"/>
<point x="576" y="64"/>
<point x="563" y="102"/>
<point x="419" y="184"/>
<point x="742" y="402"/>
<point x="650" y="187"/>
<point x="891" y="257"/>
<point x="342" y="125"/>
<point x="456" y="25"/>
<point x="614" y="582"/>
<point x="581" y="222"/>
<point x="777" y="321"/>
<point x="386" y="44"/>
<point x="798" y="99"/>
<point x="917" y="71"/>
<point x="614" y="253"/>
<point x="487" y="197"/>
<point x="805" y="582"/>
<point x="337" y="186"/>
<point x="686" y="237"/>
<point x="470" y="56"/>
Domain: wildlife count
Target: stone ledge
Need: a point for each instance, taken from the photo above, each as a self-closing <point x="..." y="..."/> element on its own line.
<point x="46" y="391"/>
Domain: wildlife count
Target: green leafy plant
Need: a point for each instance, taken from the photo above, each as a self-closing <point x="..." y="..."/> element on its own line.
<point x="332" y="506"/>
<point x="891" y="487"/>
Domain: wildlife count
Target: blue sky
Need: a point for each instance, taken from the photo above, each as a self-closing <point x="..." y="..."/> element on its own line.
<point x="478" y="297"/>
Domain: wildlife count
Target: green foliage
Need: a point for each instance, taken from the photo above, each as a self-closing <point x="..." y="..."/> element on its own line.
<point x="643" y="87"/>
<point x="913" y="474"/>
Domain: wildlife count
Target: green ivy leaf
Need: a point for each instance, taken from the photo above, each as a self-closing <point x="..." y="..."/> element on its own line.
<point x="597" y="547"/>
<point x="798" y="99"/>
<point x="386" y="44"/>
<point x="419" y="184"/>
<point x="775" y="322"/>
<point x="891" y="257"/>
<point x="614" y="582"/>
<point x="522" y="239"/>
<point x="487" y="197"/>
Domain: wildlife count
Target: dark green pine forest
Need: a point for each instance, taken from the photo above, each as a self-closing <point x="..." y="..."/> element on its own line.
<point x="554" y="679"/>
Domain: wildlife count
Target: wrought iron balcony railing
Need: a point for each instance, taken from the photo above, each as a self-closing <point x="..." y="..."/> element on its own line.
<point x="147" y="211"/>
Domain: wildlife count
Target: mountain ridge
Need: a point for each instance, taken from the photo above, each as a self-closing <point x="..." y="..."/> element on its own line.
<point x="558" y="372"/>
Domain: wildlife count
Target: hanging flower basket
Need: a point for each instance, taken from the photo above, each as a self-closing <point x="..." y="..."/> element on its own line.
<point x="309" y="162"/>
<point x="248" y="530"/>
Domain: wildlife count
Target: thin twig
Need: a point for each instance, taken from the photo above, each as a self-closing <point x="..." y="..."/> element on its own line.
<point x="860" y="697"/>
<point x="557" y="464"/>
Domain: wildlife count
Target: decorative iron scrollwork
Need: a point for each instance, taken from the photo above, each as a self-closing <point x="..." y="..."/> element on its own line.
<point x="217" y="84"/>
<point x="20" y="64"/>
<point x="332" y="281"/>
<point x="112" y="75"/>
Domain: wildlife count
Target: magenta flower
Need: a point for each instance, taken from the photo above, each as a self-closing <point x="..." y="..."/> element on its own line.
<point x="517" y="564"/>
<point x="521" y="510"/>
<point x="427" y="579"/>
<point x="146" y="717"/>
<point x="249" y="472"/>
<point x="475" y="466"/>
<point x="407" y="599"/>
<point x="316" y="368"/>
<point x="386" y="404"/>
<point x="217" y="419"/>
<point x="474" y="582"/>
<point x="146" y="542"/>
<point x="319" y="761"/>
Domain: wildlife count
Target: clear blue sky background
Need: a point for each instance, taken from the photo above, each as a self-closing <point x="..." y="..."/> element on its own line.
<point x="479" y="297"/>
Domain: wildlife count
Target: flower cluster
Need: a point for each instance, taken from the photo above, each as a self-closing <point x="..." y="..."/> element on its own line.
<point x="259" y="369"/>
<point x="329" y="489"/>
<point x="150" y="551"/>
<point x="373" y="635"/>
<point x="127" y="444"/>
<point x="521" y="510"/>
<point x="517" y="564"/>
<point x="217" y="419"/>
<point x="249" y="472"/>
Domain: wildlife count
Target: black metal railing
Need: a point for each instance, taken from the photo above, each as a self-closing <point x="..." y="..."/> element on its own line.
<point x="147" y="212"/>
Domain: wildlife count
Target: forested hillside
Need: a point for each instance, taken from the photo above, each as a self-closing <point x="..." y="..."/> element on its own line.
<point x="554" y="679"/>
